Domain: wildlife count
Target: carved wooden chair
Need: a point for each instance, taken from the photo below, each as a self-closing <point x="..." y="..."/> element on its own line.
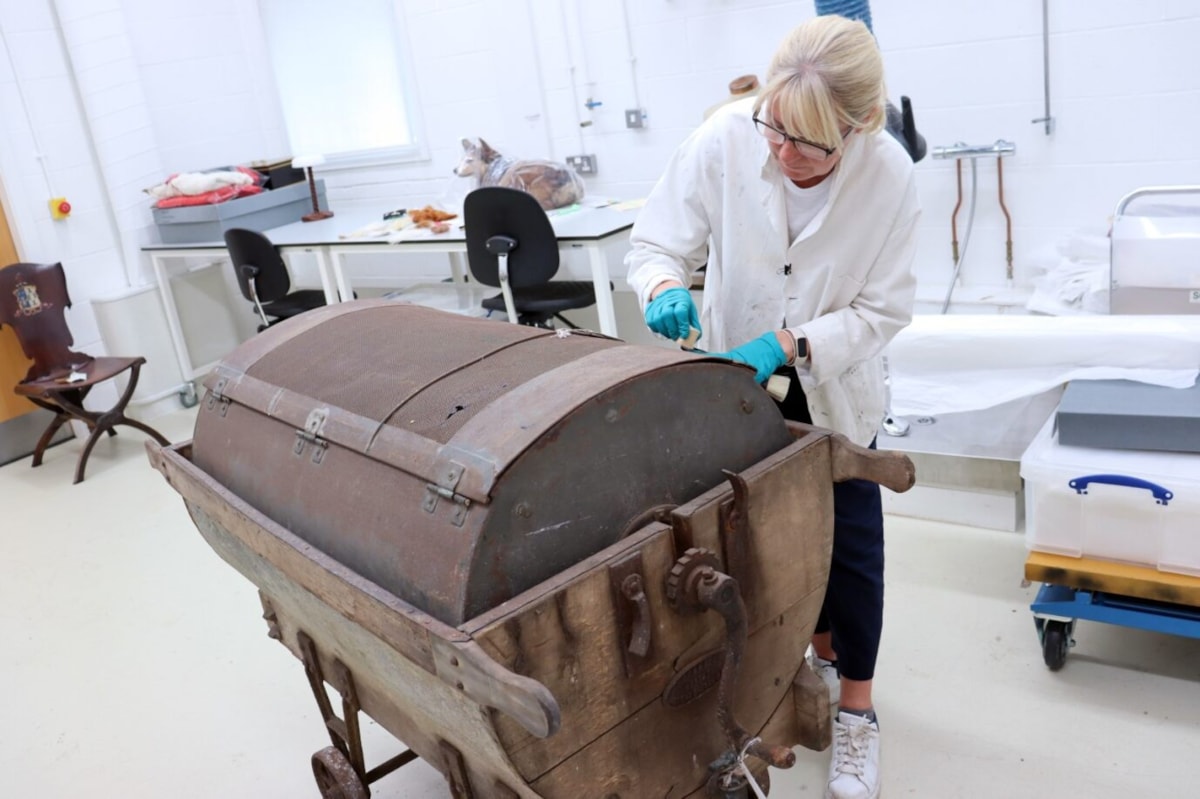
<point x="33" y="300"/>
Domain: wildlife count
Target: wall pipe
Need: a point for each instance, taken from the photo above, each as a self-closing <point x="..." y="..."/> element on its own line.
<point x="637" y="100"/>
<point x="1007" y="221"/>
<point x="965" y="241"/>
<point x="124" y="241"/>
<point x="580" y="123"/>
<point x="591" y="102"/>
<point x="1046" y="117"/>
<point x="973" y="152"/>
<point x="541" y="81"/>
<point x="954" y="213"/>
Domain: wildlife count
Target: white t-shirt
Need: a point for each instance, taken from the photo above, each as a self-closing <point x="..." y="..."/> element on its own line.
<point x="803" y="205"/>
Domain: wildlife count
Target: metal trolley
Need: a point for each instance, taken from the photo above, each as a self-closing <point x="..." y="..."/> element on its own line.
<point x="1109" y="592"/>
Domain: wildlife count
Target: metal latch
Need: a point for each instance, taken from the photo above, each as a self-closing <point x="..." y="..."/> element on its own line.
<point x="313" y="426"/>
<point x="632" y="614"/>
<point x="444" y="489"/>
<point x="216" y="397"/>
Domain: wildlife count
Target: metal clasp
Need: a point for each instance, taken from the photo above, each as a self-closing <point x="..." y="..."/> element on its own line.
<point x="444" y="489"/>
<point x="632" y="614"/>
<point x="216" y="395"/>
<point x="314" y="425"/>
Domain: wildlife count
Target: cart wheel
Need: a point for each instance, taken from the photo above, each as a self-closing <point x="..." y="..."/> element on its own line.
<point x="1056" y="637"/>
<point x="336" y="777"/>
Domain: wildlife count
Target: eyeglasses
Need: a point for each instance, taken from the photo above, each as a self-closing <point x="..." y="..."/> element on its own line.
<point x="806" y="148"/>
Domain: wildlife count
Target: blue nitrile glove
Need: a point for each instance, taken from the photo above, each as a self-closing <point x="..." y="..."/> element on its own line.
<point x="764" y="354"/>
<point x="672" y="312"/>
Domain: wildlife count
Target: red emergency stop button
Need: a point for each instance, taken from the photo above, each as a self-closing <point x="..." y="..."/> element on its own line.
<point x="59" y="208"/>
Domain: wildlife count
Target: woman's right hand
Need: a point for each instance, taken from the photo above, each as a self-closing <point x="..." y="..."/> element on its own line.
<point x="671" y="313"/>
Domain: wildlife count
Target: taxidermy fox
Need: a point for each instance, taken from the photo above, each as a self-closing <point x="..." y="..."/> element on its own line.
<point x="554" y="184"/>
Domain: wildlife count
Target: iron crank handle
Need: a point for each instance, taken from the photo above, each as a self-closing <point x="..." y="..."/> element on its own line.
<point x="720" y="592"/>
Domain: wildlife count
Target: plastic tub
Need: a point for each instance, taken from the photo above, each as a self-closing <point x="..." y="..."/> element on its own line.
<point x="1130" y="506"/>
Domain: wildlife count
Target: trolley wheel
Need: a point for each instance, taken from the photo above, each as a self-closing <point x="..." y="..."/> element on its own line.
<point x="335" y="776"/>
<point x="1056" y="637"/>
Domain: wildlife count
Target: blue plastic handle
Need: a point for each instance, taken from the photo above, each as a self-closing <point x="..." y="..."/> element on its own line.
<point x="1161" y="495"/>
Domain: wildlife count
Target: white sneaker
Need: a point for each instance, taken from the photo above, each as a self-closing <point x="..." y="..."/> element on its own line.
<point x="827" y="671"/>
<point x="854" y="769"/>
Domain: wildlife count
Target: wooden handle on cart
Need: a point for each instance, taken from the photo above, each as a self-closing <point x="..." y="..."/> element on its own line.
<point x="465" y="665"/>
<point x="851" y="462"/>
<point x="890" y="469"/>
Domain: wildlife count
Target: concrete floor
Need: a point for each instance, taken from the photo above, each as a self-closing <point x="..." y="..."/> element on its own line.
<point x="136" y="664"/>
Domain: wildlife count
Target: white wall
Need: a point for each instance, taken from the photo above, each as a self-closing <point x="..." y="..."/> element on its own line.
<point x="117" y="94"/>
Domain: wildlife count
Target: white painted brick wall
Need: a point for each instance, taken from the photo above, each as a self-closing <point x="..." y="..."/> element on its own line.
<point x="1125" y="92"/>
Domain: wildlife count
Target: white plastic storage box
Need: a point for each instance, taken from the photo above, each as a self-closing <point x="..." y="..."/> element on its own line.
<point x="1123" y="505"/>
<point x="201" y="224"/>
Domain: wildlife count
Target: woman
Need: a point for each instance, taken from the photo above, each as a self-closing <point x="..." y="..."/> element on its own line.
<point x="806" y="216"/>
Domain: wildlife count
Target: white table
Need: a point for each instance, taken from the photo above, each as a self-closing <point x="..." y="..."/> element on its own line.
<point x="587" y="228"/>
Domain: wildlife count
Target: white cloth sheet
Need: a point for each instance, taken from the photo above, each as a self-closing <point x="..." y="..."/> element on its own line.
<point x="955" y="363"/>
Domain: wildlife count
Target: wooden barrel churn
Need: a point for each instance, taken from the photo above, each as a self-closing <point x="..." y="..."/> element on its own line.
<point x="553" y="565"/>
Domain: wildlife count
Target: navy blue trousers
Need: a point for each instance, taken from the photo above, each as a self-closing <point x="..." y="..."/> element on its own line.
<point x="853" y="608"/>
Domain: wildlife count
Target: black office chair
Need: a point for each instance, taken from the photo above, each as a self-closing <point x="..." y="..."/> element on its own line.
<point x="263" y="278"/>
<point x="510" y="244"/>
<point x="903" y="127"/>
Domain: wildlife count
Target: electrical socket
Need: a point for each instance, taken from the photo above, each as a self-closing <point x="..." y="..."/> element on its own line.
<point x="583" y="164"/>
<point x="635" y="117"/>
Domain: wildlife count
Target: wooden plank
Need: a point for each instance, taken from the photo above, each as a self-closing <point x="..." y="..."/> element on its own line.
<point x="814" y="716"/>
<point x="416" y="706"/>
<point x="401" y="625"/>
<point x="791" y="523"/>
<point x="416" y="676"/>
<point x="571" y="640"/>
<point x="1124" y="579"/>
<point x="537" y="595"/>
<point x="661" y="751"/>
<point x="564" y="634"/>
<point x="467" y="667"/>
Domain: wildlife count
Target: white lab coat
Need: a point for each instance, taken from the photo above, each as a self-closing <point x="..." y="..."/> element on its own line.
<point x="849" y="287"/>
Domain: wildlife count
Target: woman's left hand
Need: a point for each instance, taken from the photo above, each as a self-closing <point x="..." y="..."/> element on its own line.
<point x="764" y="354"/>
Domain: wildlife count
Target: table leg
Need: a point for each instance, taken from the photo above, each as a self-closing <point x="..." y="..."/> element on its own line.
<point x="600" y="281"/>
<point x="456" y="267"/>
<point x="345" y="291"/>
<point x="330" y="272"/>
<point x="186" y="370"/>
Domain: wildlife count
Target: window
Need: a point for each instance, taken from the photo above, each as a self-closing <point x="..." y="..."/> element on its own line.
<point x="343" y="79"/>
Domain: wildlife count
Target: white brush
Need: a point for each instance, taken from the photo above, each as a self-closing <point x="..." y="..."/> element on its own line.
<point x="689" y="343"/>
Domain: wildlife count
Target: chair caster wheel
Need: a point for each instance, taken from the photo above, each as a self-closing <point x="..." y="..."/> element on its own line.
<point x="895" y="426"/>
<point x="188" y="396"/>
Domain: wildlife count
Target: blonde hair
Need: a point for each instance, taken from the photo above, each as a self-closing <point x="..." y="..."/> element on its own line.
<point x="826" y="75"/>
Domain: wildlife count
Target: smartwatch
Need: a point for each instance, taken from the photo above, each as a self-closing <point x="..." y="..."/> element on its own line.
<point x="801" y="348"/>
